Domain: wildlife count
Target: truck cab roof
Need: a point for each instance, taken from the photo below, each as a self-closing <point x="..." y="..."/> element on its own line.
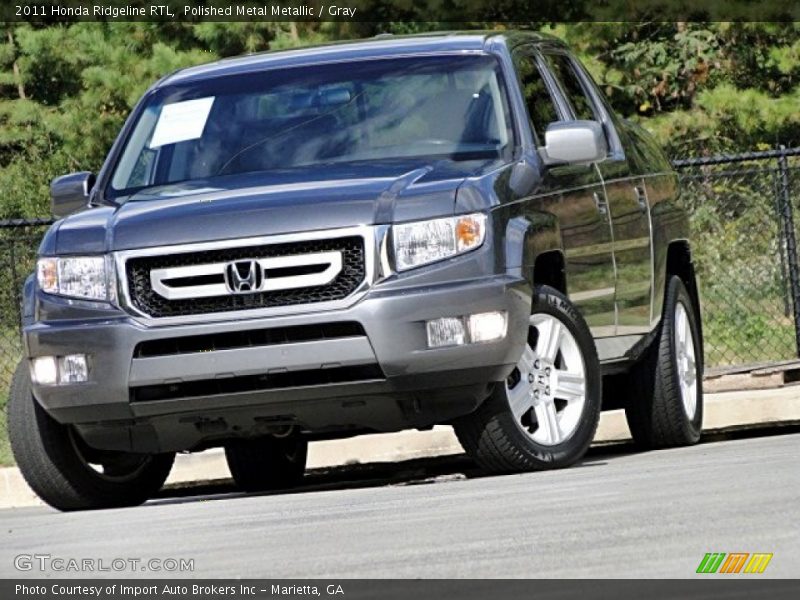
<point x="380" y="46"/>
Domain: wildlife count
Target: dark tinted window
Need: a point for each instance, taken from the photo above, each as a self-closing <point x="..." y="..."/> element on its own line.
<point x="432" y="108"/>
<point x="564" y="71"/>
<point x="540" y="104"/>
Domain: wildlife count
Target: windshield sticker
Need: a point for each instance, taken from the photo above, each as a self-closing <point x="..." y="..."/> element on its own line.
<point x="181" y="121"/>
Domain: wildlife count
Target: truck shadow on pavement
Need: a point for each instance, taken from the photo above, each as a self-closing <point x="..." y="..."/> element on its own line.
<point x="421" y="471"/>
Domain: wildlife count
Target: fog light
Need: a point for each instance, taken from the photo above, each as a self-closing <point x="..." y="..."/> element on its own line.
<point x="487" y="327"/>
<point x="43" y="370"/>
<point x="73" y="369"/>
<point x="448" y="331"/>
<point x="50" y="370"/>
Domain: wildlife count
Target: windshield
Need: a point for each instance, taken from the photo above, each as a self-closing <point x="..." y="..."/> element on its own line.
<point x="451" y="107"/>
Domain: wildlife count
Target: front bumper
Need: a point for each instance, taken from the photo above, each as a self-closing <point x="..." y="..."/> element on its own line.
<point x="407" y="384"/>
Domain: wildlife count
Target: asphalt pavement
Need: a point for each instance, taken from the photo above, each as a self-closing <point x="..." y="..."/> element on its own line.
<point x="618" y="514"/>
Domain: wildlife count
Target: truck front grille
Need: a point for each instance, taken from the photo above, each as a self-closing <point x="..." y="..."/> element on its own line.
<point x="216" y="270"/>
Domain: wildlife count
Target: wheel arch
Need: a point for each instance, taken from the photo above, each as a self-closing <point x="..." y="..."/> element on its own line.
<point x="534" y="244"/>
<point x="549" y="268"/>
<point x="680" y="263"/>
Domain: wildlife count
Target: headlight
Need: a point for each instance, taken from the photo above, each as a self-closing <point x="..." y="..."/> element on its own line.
<point x="424" y="242"/>
<point x="87" y="277"/>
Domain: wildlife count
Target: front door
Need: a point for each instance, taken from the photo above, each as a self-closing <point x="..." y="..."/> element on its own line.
<point x="626" y="204"/>
<point x="587" y="238"/>
<point x="574" y="195"/>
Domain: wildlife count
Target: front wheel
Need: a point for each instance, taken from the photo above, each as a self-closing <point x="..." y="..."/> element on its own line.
<point x="63" y="470"/>
<point x="545" y="414"/>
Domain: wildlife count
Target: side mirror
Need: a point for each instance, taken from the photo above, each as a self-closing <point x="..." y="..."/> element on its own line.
<point x="574" y="142"/>
<point x="70" y="193"/>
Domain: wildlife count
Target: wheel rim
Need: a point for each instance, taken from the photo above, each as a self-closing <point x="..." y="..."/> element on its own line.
<point x="547" y="390"/>
<point x="116" y="467"/>
<point x="686" y="360"/>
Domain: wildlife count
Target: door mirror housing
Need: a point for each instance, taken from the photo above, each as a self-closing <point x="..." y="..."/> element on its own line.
<point x="70" y="193"/>
<point x="574" y="143"/>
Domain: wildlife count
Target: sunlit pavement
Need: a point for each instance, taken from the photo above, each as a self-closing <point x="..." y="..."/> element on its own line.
<point x="618" y="514"/>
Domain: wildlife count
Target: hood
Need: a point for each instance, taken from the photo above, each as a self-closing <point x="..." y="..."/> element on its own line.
<point x="300" y="199"/>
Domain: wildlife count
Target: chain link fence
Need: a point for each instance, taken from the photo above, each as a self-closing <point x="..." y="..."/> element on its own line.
<point x="745" y="216"/>
<point x="19" y="241"/>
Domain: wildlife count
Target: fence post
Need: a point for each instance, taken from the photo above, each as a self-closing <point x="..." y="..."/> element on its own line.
<point x="786" y="294"/>
<point x="787" y="219"/>
<point x="15" y="283"/>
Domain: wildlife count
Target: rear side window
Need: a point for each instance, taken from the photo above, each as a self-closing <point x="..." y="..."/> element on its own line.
<point x="573" y="89"/>
<point x="541" y="107"/>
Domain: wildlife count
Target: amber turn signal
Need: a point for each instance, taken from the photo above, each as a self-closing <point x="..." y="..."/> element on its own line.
<point x="469" y="231"/>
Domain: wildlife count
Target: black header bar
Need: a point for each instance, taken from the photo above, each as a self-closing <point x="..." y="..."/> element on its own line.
<point x="455" y="12"/>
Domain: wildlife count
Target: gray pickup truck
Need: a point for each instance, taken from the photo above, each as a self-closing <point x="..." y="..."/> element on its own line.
<point x="357" y="238"/>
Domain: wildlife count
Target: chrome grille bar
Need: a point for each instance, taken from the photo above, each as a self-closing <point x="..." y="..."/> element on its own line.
<point x="373" y="237"/>
<point x="256" y="279"/>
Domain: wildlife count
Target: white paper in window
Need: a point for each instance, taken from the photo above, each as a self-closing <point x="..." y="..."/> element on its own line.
<point x="181" y="121"/>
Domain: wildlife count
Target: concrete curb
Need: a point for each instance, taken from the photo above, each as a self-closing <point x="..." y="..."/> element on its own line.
<point x="723" y="411"/>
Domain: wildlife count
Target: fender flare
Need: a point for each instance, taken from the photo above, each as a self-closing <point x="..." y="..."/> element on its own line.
<point x="527" y="240"/>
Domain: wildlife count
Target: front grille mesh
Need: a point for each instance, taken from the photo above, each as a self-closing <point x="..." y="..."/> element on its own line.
<point x="143" y="297"/>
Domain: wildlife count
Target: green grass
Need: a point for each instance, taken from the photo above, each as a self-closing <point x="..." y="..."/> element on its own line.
<point x="737" y="337"/>
<point x="6" y="458"/>
<point x="10" y="353"/>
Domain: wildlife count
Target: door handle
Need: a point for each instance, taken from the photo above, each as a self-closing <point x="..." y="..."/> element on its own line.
<point x="600" y="203"/>
<point x="641" y="197"/>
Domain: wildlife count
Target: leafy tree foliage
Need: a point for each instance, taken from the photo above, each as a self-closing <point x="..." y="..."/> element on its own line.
<point x="65" y="90"/>
<point x="701" y="87"/>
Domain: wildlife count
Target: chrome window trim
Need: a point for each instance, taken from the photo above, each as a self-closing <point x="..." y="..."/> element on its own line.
<point x="366" y="232"/>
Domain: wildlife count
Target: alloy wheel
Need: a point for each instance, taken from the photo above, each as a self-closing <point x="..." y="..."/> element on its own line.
<point x="547" y="390"/>
<point x="686" y="361"/>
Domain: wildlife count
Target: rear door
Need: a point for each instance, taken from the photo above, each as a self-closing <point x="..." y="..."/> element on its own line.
<point x="626" y="198"/>
<point x="574" y="194"/>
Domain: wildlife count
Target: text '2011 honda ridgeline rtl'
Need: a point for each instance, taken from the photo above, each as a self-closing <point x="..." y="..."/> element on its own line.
<point x="366" y="237"/>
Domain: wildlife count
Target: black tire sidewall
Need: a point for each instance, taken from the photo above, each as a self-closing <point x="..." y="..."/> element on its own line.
<point x="551" y="302"/>
<point x="677" y="293"/>
<point x="50" y="464"/>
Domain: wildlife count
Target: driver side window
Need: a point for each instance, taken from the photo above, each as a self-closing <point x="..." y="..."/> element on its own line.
<point x="541" y="106"/>
<point x="564" y="71"/>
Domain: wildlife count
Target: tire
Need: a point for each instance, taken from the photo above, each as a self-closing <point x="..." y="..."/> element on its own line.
<point x="268" y="463"/>
<point x="65" y="472"/>
<point x="537" y="419"/>
<point x="663" y="409"/>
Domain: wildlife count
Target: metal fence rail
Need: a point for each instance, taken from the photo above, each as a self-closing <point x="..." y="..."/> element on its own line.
<point x="744" y="215"/>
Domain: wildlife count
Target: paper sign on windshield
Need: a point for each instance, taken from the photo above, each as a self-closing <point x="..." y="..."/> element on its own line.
<point x="181" y="121"/>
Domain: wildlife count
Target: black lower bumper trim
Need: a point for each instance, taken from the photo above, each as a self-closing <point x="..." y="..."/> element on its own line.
<point x="251" y="383"/>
